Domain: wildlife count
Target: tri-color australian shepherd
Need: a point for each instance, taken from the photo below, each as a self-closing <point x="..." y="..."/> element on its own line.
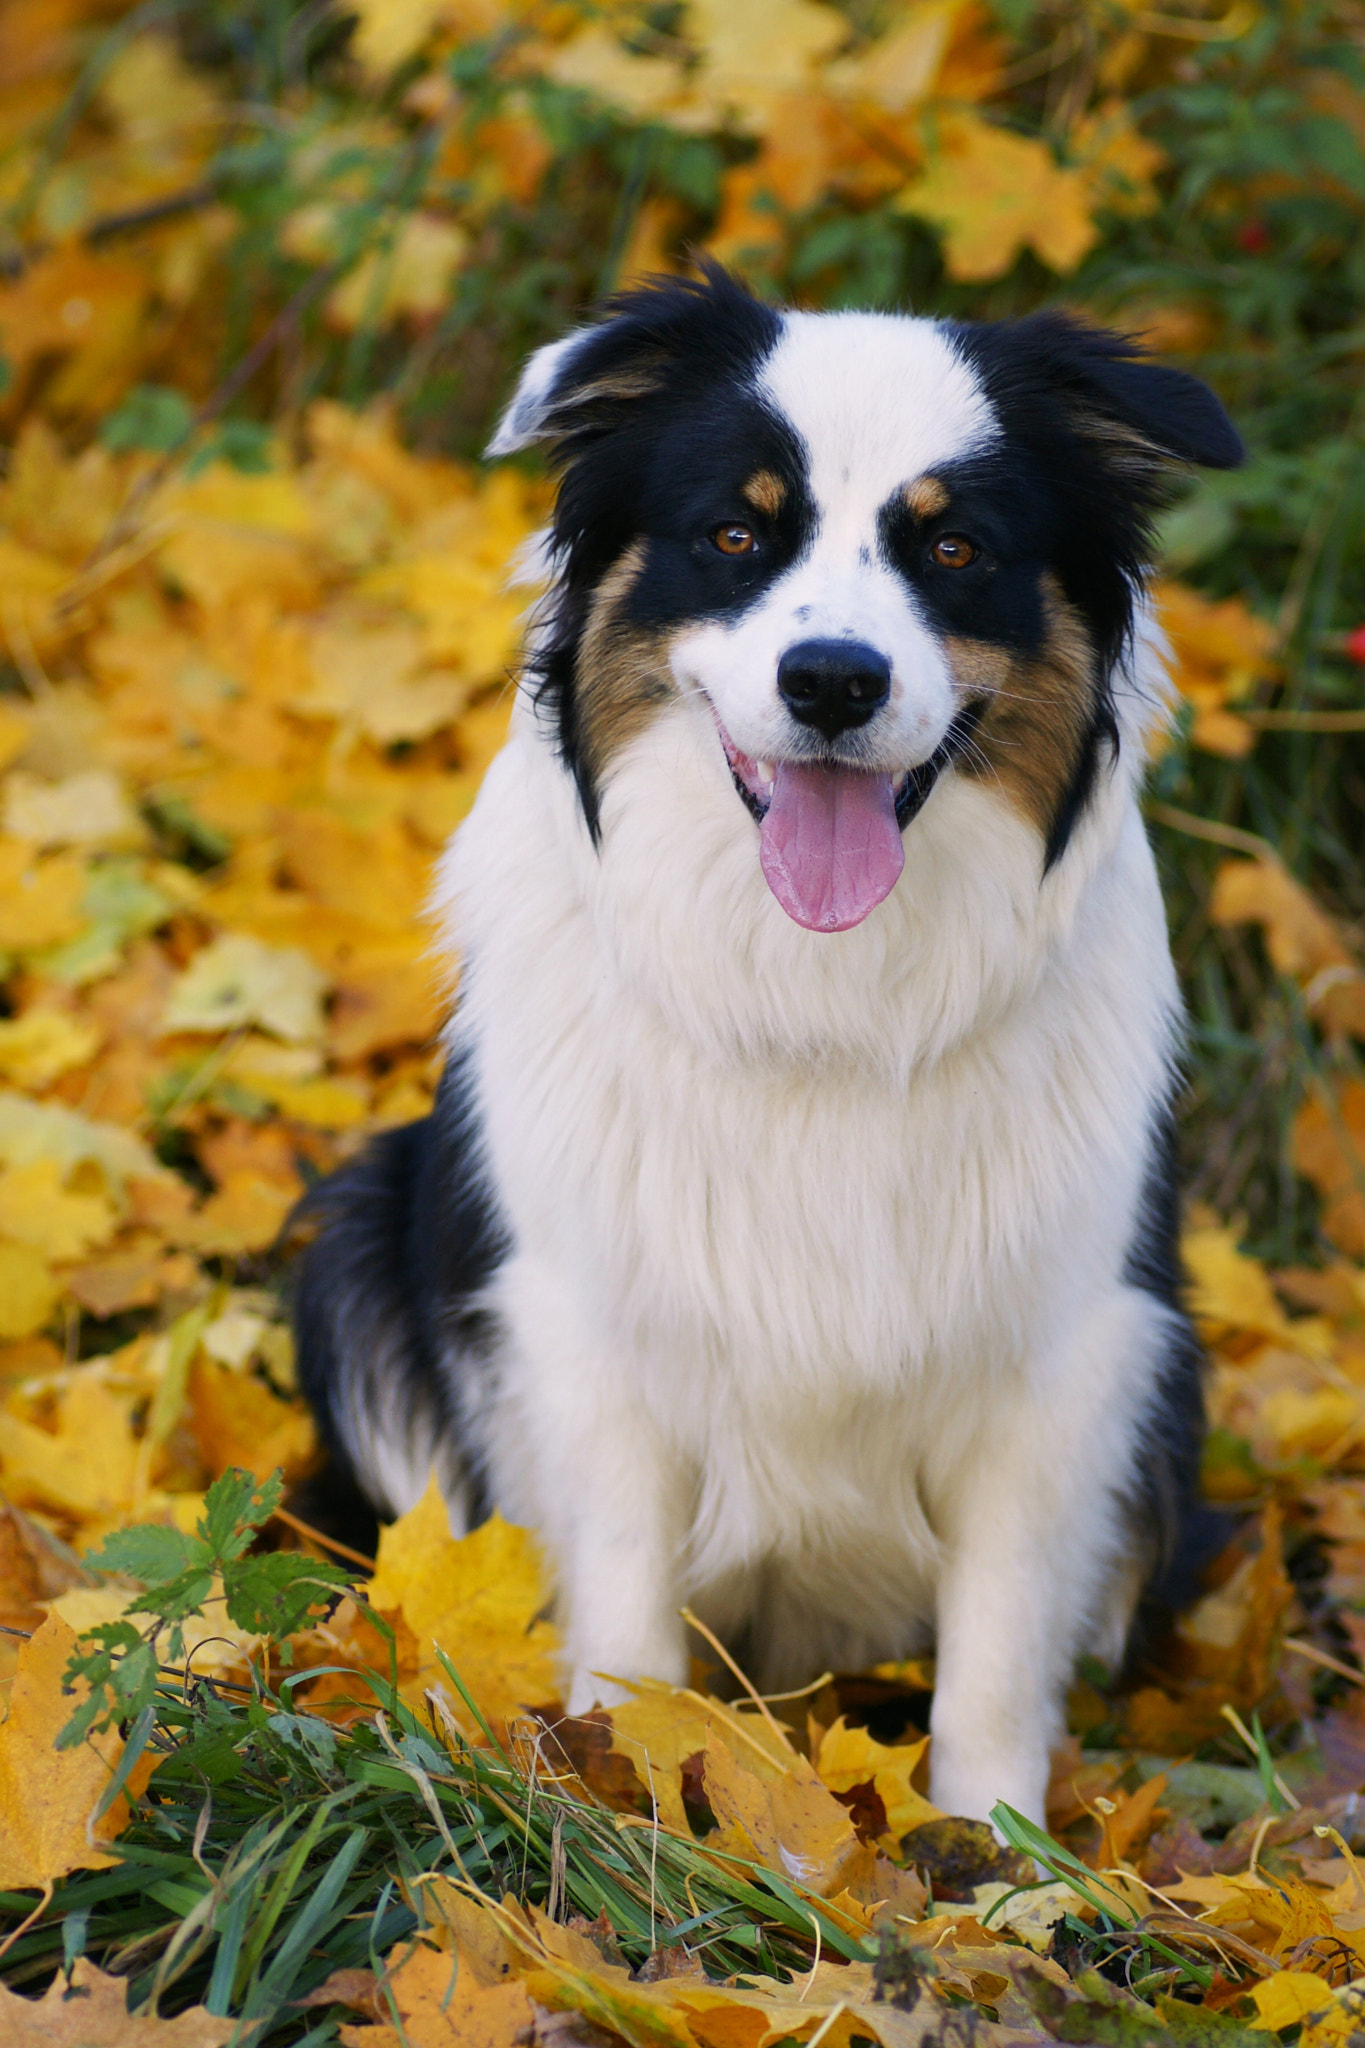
<point x="794" y="1234"/>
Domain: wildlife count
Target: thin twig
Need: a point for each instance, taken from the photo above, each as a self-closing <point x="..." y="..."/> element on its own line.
<point x="38" y="1911"/>
<point x="306" y="1529"/>
<point x="1217" y="835"/>
<point x="1304" y="721"/>
<point x="702" y="1630"/>
<point x="1317" y="1656"/>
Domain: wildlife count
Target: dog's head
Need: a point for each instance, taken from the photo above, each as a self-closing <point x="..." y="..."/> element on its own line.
<point x="877" y="546"/>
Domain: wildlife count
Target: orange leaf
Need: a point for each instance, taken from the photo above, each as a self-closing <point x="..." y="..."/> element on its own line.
<point x="237" y="1420"/>
<point x="1329" y="1150"/>
<point x="93" y="2013"/>
<point x="47" y="1795"/>
<point x="443" y="2004"/>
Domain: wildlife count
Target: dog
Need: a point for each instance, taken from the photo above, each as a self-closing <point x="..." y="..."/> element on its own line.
<point x="794" y="1233"/>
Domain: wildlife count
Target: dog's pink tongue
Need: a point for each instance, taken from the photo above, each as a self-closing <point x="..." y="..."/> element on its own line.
<point x="830" y="845"/>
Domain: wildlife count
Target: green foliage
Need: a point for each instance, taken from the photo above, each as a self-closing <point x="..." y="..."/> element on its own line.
<point x="153" y="417"/>
<point x="270" y="1595"/>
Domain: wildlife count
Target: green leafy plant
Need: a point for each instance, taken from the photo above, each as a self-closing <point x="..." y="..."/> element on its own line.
<point x="270" y="1594"/>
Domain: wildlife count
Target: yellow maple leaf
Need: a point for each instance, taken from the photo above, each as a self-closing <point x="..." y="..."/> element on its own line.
<point x="644" y="87"/>
<point x="245" y="1214"/>
<point x="30" y="581"/>
<point x="237" y="1420"/>
<point x="1228" y="1290"/>
<point x="153" y="95"/>
<point x="660" y="1726"/>
<point x="52" y="1469"/>
<point x="791" y="1822"/>
<point x="1220" y="651"/>
<point x="48" y="1796"/>
<point x="994" y="193"/>
<point x="36" y="1209"/>
<point x="480" y="1597"/>
<point x="410" y="278"/>
<point x="1329" y="1149"/>
<point x="1119" y="161"/>
<point x="901" y="67"/>
<point x="376" y="679"/>
<point x="1300" y="937"/>
<point x="447" y="2000"/>
<point x="237" y="979"/>
<point x="751" y="53"/>
<point x="90" y="2010"/>
<point x="49" y="1130"/>
<point x="89" y="809"/>
<point x="1288" y="1997"/>
<point x="390" y="31"/>
<point x="29" y="1292"/>
<point x="42" y="1044"/>
<point x="40" y="900"/>
<point x="850" y="1756"/>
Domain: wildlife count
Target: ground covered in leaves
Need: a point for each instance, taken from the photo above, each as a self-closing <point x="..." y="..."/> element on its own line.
<point x="265" y="271"/>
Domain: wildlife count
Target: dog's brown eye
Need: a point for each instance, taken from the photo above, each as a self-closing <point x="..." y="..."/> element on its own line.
<point x="953" y="551"/>
<point x="733" y="539"/>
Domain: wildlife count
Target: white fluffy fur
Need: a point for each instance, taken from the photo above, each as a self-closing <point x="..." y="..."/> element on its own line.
<point x="816" y="1309"/>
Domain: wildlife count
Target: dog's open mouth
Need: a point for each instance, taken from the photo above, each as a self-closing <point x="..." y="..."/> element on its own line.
<point x="829" y="836"/>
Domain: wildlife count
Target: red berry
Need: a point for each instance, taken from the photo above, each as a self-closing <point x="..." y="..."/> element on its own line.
<point x="1253" y="235"/>
<point x="1354" y="644"/>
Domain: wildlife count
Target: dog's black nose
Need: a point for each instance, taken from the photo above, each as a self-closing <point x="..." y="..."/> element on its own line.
<point x="833" y="685"/>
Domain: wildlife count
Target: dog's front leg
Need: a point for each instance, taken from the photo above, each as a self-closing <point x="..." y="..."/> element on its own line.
<point x="619" y="1566"/>
<point x="578" y="1455"/>
<point x="1036" y="1550"/>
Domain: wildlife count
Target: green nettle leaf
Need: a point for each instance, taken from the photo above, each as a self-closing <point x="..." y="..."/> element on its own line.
<point x="234" y="1509"/>
<point x="177" y="1597"/>
<point x="153" y="1555"/>
<point x="273" y="1595"/>
<point x="120" y="1670"/>
<point x="151" y="417"/>
<point x="245" y="444"/>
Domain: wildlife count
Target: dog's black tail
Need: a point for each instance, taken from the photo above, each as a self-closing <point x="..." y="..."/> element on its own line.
<point x="389" y="1322"/>
<point x="1178" y="1530"/>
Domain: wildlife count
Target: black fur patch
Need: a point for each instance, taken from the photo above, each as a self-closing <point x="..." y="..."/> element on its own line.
<point x="386" y="1305"/>
<point x="656" y="430"/>
<point x="1091" y="430"/>
<point x="1179" y="1530"/>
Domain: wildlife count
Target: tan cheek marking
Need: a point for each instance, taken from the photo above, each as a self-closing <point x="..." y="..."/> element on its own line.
<point x="1039" y="712"/>
<point x="926" y="497"/>
<point x="766" y="493"/>
<point x="622" y="678"/>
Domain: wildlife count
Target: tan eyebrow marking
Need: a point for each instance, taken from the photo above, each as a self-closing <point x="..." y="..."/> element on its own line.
<point x="925" y="497"/>
<point x="766" y="492"/>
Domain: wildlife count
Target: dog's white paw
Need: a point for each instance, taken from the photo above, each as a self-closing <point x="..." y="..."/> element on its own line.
<point x="587" y="1690"/>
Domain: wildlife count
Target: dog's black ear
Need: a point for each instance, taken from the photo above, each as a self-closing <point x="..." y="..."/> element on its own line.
<point x="1112" y="382"/>
<point x="665" y="328"/>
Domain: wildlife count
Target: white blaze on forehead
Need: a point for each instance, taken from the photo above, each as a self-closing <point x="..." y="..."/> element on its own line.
<point x="877" y="399"/>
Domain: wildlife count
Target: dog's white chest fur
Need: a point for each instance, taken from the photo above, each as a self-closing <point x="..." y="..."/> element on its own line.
<point x="802" y="1224"/>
